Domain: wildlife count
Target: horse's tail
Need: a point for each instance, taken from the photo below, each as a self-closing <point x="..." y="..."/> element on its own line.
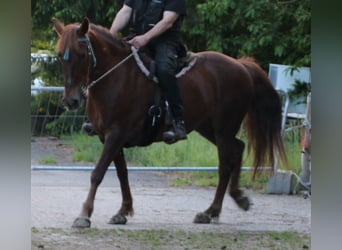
<point x="264" y="119"/>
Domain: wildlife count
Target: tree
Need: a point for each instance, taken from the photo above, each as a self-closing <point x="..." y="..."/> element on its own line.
<point x="43" y="11"/>
<point x="271" y="31"/>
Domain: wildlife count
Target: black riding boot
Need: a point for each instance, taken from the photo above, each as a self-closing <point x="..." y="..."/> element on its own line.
<point x="176" y="133"/>
<point x="165" y="55"/>
<point x="88" y="128"/>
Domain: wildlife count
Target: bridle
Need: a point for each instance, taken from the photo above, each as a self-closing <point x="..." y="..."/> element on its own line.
<point x="89" y="46"/>
<point x="91" y="53"/>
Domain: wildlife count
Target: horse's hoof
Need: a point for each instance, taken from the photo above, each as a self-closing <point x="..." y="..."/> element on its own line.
<point x="118" y="219"/>
<point x="81" y="222"/>
<point x="202" y="218"/>
<point x="244" y="203"/>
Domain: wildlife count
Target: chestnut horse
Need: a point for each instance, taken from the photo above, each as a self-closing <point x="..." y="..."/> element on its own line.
<point x="220" y="94"/>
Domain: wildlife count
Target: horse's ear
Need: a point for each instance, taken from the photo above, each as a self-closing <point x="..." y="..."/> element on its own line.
<point x="59" y="27"/>
<point x="84" y="28"/>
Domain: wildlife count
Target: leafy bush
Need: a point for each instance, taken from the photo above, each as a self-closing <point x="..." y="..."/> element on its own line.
<point x="45" y="108"/>
<point x="49" y="117"/>
<point x="300" y="90"/>
<point x="67" y="123"/>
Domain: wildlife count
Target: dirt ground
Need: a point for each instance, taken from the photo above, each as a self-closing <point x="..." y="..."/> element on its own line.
<point x="43" y="147"/>
<point x="57" y="196"/>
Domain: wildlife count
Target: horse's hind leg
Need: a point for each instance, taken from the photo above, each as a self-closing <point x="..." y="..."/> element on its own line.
<point x="127" y="203"/>
<point x="230" y="157"/>
<point x="235" y="192"/>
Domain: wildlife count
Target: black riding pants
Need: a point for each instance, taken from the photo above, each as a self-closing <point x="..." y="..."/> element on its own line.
<point x="165" y="56"/>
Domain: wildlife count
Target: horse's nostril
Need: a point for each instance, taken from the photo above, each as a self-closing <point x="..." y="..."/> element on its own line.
<point x="71" y="104"/>
<point x="74" y="103"/>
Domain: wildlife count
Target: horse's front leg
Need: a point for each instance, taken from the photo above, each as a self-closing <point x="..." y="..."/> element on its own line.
<point x="110" y="148"/>
<point x="127" y="203"/>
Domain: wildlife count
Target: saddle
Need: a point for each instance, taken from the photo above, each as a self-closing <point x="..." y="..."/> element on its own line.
<point x="147" y="64"/>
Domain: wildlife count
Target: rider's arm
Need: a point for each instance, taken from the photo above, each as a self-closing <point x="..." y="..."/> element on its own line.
<point x="121" y="19"/>
<point x="169" y="17"/>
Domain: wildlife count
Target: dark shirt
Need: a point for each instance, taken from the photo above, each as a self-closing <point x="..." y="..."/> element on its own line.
<point x="146" y="13"/>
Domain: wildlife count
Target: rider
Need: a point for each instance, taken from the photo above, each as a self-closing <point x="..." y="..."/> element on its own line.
<point x="155" y="24"/>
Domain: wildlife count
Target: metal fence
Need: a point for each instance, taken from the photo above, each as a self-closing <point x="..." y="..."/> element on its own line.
<point x="49" y="117"/>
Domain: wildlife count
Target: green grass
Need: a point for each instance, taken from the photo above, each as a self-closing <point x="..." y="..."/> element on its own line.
<point x="192" y="152"/>
<point x="47" y="160"/>
<point x="195" y="151"/>
<point x="169" y="239"/>
<point x="85" y="148"/>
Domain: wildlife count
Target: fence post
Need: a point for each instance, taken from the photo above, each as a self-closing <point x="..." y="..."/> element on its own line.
<point x="305" y="175"/>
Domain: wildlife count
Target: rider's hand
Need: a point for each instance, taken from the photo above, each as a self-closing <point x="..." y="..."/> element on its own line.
<point x="138" y="41"/>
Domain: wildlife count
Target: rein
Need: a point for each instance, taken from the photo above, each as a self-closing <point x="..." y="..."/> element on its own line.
<point x="134" y="51"/>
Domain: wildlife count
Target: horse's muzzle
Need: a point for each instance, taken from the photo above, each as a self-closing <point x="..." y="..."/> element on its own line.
<point x="71" y="103"/>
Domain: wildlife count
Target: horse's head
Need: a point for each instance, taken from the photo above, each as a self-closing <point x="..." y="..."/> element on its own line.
<point x="77" y="57"/>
